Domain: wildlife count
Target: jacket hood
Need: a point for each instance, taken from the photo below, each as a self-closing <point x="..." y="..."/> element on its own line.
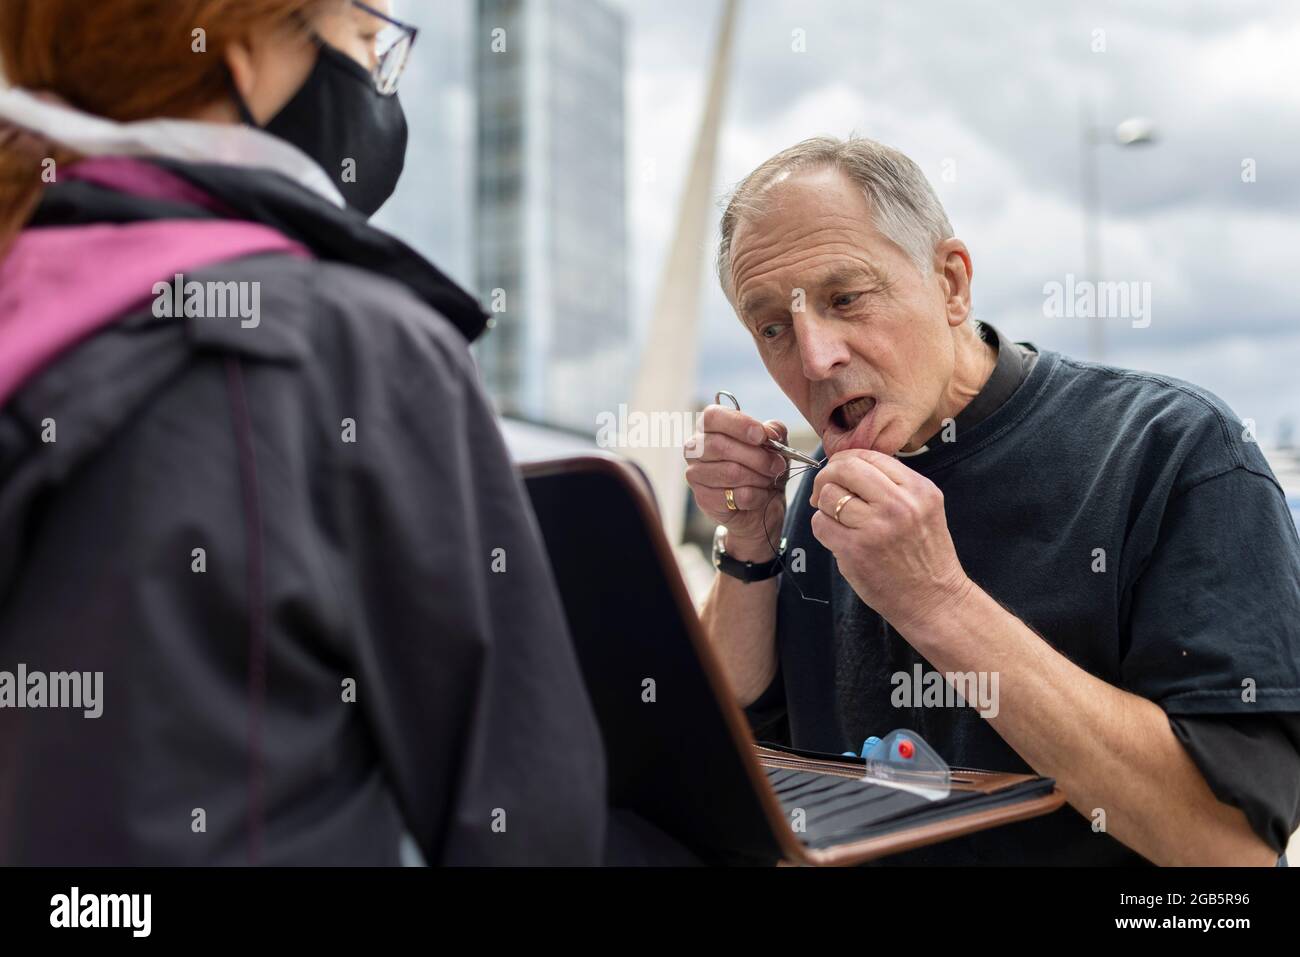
<point x="333" y="234"/>
<point x="114" y="227"/>
<point x="60" y="284"/>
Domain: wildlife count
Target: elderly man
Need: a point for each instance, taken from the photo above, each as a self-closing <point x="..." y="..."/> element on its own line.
<point x="1109" y="546"/>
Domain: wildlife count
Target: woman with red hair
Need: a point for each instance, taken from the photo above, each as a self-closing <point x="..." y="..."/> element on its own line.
<point x="252" y="497"/>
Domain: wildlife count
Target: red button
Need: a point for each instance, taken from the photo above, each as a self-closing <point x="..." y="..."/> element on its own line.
<point x="905" y="749"/>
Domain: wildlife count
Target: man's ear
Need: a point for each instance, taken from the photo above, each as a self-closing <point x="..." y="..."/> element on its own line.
<point x="953" y="260"/>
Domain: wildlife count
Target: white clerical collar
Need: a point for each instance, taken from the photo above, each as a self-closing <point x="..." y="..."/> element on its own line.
<point x="185" y="140"/>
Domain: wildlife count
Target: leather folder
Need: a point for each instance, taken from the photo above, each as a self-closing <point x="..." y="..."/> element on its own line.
<point x="846" y="823"/>
<point x="678" y="749"/>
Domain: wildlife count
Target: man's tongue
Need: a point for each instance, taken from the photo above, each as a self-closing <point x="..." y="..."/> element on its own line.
<point x="854" y="411"/>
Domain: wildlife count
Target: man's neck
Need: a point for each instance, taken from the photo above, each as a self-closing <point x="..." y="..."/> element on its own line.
<point x="974" y="363"/>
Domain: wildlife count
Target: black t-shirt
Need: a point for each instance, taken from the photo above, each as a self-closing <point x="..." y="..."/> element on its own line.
<point x="1127" y="519"/>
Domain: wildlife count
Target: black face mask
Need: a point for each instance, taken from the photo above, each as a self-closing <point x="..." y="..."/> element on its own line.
<point x="338" y="116"/>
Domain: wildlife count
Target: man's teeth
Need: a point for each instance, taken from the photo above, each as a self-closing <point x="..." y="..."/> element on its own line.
<point x="854" y="411"/>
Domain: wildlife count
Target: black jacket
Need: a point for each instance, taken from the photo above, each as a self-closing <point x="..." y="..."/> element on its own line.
<point x="369" y="644"/>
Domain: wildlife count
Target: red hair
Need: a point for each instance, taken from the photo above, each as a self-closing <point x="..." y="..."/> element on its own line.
<point x="123" y="60"/>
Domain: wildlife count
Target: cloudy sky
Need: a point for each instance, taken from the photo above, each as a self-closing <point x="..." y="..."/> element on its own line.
<point x="990" y="94"/>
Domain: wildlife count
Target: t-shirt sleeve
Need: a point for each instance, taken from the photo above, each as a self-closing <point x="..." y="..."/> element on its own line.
<point x="1215" y="641"/>
<point x="1214" y="619"/>
<point x="1251" y="762"/>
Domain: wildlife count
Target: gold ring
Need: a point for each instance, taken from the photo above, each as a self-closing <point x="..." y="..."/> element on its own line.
<point x="844" y="500"/>
<point x="730" y="494"/>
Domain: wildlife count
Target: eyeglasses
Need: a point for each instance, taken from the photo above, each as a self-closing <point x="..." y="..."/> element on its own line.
<point x="392" y="49"/>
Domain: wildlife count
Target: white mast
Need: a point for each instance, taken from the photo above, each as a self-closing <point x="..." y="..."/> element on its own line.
<point x="666" y="379"/>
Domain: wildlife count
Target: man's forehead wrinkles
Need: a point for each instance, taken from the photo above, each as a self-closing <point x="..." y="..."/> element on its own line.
<point x="758" y="290"/>
<point x="796" y="241"/>
<point x="756" y="301"/>
<point x="848" y="271"/>
<point x="756" y="250"/>
<point x="801" y="229"/>
<point x="835" y="261"/>
<point x="771" y="257"/>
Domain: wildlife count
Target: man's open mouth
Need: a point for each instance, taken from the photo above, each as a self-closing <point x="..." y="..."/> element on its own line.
<point x="846" y="417"/>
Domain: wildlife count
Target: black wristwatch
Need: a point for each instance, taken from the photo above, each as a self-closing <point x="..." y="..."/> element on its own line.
<point x="745" y="571"/>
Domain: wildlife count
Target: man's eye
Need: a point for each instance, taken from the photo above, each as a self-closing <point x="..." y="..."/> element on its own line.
<point x="770" y="332"/>
<point x="845" y="299"/>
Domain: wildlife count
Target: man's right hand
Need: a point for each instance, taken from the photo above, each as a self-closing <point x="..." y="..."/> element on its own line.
<point x="728" y="453"/>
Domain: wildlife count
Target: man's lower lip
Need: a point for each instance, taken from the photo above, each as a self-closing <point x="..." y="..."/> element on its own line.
<point x="847" y="438"/>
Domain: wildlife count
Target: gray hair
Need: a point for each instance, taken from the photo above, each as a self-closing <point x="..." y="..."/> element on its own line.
<point x="905" y="207"/>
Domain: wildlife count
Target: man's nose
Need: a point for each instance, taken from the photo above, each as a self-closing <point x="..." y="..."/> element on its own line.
<point x="822" y="348"/>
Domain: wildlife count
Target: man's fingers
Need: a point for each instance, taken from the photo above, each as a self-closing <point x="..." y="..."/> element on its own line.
<point x="732" y="422"/>
<point x="857" y="476"/>
<point x="716" y="447"/>
<point x="851" y="515"/>
<point x="777" y="430"/>
<point x="721" y="475"/>
<point x="897" y="472"/>
<point x="747" y="498"/>
<point x="829" y="532"/>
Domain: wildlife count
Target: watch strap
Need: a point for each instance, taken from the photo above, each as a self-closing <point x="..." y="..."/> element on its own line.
<point x="747" y="572"/>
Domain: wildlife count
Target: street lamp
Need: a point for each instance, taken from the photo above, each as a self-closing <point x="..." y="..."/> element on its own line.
<point x="1134" y="131"/>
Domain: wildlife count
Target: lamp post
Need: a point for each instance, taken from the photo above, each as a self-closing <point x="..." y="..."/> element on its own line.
<point x="1134" y="131"/>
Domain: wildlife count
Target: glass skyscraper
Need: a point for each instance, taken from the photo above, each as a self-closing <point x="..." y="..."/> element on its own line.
<point x="549" y="227"/>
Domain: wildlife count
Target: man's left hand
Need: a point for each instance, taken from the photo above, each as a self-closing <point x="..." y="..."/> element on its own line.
<point x="891" y="540"/>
